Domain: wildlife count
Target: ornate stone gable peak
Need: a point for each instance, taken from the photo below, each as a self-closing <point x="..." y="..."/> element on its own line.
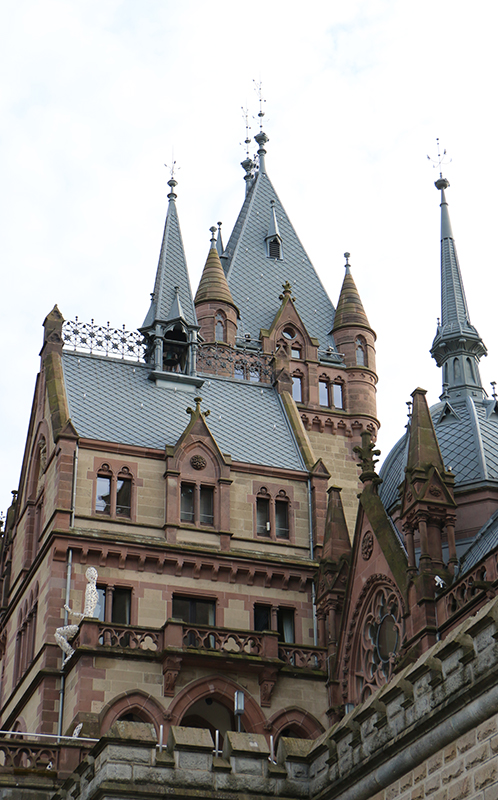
<point x="427" y="487"/>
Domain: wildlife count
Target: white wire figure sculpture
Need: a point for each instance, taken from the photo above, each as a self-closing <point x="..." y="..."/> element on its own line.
<point x="67" y="632"/>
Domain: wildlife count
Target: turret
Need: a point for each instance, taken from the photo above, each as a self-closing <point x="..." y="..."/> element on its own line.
<point x="355" y="339"/>
<point x="216" y="311"/>
<point x="170" y="327"/>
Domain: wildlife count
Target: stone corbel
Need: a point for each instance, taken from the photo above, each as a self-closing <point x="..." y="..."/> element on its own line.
<point x="267" y="681"/>
<point x="171" y="668"/>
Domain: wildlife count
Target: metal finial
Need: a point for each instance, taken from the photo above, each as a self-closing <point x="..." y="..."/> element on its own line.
<point x="438" y="162"/>
<point x="409" y="403"/>
<point x="258" y="87"/>
<point x="493" y="391"/>
<point x="213" y="230"/>
<point x="247" y="140"/>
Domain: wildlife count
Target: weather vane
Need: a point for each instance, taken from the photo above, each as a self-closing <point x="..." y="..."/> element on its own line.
<point x="438" y="163"/>
<point x="173" y="168"/>
<point x="247" y="140"/>
<point x="258" y="88"/>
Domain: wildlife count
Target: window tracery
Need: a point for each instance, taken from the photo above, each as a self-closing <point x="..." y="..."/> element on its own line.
<point x="375" y="637"/>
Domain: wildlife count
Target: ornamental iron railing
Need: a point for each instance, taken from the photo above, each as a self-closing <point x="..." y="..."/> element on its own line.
<point x="87" y="337"/>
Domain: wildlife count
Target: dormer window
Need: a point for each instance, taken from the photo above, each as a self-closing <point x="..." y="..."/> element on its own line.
<point x="274" y="248"/>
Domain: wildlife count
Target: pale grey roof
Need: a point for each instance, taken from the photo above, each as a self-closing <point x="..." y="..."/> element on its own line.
<point x="256" y="281"/>
<point x="114" y="401"/>
<point x="468" y="438"/>
<point x="171" y="273"/>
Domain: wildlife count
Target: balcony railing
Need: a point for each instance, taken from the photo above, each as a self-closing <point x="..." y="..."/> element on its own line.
<point x="183" y="636"/>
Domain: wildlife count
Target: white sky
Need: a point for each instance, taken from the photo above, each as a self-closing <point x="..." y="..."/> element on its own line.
<point x="96" y="93"/>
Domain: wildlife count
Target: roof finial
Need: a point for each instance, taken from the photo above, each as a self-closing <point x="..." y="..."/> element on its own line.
<point x="247" y="140"/>
<point x="347" y="264"/>
<point x="493" y="391"/>
<point x="261" y="138"/>
<point x="213" y="230"/>
<point x="258" y="87"/>
<point x="441" y="183"/>
<point x="172" y="182"/>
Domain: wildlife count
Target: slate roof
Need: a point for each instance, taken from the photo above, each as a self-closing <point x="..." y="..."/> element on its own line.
<point x="485" y="541"/>
<point x="468" y="438"/>
<point x="115" y="401"/>
<point x="171" y="272"/>
<point x="256" y="281"/>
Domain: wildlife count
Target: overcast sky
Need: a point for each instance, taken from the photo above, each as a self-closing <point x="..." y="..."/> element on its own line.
<point x="96" y="95"/>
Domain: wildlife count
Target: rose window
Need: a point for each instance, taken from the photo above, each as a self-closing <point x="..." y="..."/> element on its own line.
<point x="379" y="640"/>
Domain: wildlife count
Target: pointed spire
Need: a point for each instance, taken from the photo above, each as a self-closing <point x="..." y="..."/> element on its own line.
<point x="172" y="282"/>
<point x="219" y="241"/>
<point x="457" y="346"/>
<point x="213" y="285"/>
<point x="350" y="311"/>
<point x="423" y="447"/>
<point x="336" y="542"/>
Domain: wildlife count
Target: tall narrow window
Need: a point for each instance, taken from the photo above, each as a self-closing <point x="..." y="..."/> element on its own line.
<point x="323" y="393"/>
<point x="263" y="516"/>
<point x="206" y="511"/>
<point x="123" y="497"/>
<point x="285" y="624"/>
<point x="220" y="328"/>
<point x="121" y="606"/>
<point x="262" y="617"/>
<point x="297" y="388"/>
<point x="103" y="499"/>
<point x="337" y="395"/>
<point x="187" y="502"/>
<point x="281" y="519"/>
<point x="361" y="358"/>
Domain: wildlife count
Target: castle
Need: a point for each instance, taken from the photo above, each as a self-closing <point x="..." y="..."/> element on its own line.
<point x="251" y="623"/>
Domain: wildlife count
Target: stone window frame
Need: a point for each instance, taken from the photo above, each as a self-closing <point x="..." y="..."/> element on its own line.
<point x="24" y="651"/>
<point x="331" y="382"/>
<point x="274" y="495"/>
<point x="108" y="471"/>
<point x="360" y="344"/>
<point x="198" y="485"/>
<point x="220" y="318"/>
<point x="298" y="374"/>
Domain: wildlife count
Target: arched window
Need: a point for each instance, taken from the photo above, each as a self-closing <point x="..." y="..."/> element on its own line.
<point x="113" y="493"/>
<point x="220" y="328"/>
<point x="361" y="352"/>
<point x="273" y="514"/>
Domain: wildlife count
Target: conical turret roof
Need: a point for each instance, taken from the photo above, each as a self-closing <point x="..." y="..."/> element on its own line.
<point x="213" y="285"/>
<point x="350" y="311"/>
<point x="172" y="284"/>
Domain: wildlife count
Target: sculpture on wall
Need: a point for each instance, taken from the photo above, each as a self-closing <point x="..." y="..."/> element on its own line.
<point x="67" y="632"/>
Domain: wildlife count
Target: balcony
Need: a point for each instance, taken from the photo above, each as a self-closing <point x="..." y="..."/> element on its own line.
<point x="206" y="641"/>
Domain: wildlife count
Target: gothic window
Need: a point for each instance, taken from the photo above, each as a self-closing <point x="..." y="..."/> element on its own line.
<point x="113" y="493"/>
<point x="361" y="352"/>
<point x="26" y="636"/>
<point x="197" y="504"/>
<point x="330" y="394"/>
<point x="273" y="515"/>
<point x="220" y="332"/>
<point x="295" y="351"/>
<point x="282" y="619"/>
<point x="323" y="393"/>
